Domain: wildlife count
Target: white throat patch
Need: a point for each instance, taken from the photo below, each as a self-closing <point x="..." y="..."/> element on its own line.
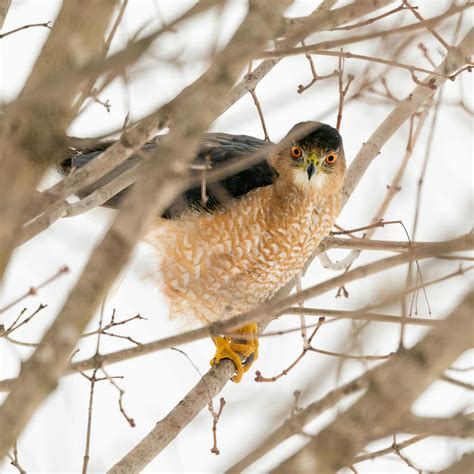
<point x="316" y="183"/>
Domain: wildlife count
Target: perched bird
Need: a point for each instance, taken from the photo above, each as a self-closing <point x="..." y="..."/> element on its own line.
<point x="227" y="247"/>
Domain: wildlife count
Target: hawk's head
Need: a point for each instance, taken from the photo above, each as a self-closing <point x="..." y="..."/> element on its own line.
<point x="312" y="157"/>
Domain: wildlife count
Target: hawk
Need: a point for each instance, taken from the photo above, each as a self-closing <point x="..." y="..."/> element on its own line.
<point x="227" y="247"/>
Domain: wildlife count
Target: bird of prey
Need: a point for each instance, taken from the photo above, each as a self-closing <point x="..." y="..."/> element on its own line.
<point x="225" y="249"/>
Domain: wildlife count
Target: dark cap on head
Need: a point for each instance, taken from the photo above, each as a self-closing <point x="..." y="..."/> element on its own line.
<point x="316" y="134"/>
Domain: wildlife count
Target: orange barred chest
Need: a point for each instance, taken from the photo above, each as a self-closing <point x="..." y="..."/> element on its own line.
<point x="216" y="266"/>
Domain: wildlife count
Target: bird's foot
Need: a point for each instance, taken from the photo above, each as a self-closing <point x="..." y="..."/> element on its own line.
<point x="242" y="352"/>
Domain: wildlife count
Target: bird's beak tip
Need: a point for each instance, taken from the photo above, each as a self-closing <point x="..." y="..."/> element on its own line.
<point x="311" y="170"/>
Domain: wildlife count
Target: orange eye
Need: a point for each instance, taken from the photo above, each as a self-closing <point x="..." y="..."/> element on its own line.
<point x="295" y="151"/>
<point x="331" y="158"/>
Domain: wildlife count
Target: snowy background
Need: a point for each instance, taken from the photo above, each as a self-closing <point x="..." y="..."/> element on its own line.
<point x="54" y="440"/>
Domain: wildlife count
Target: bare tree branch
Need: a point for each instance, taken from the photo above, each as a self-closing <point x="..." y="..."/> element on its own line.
<point x="172" y="424"/>
<point x="360" y="316"/>
<point x="24" y="27"/>
<point x="458" y="425"/>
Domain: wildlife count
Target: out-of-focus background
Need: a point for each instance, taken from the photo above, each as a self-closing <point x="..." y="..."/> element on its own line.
<point x="153" y="384"/>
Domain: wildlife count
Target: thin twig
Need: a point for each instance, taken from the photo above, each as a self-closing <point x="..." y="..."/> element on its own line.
<point x="383" y="452"/>
<point x="258" y="106"/>
<point x="458" y="383"/>
<point x="92" y="379"/>
<point x="428" y="27"/>
<point x="352" y="356"/>
<point x="426" y="55"/>
<point x="371" y="20"/>
<point x="260" y="378"/>
<point x="359" y="315"/>
<point x="380" y="223"/>
<point x="14" y="461"/>
<point x="342" y="90"/>
<point x="15" y="325"/>
<point x="25" y="27"/>
<point x="121" y="392"/>
<point x="86" y="456"/>
<point x="215" y="419"/>
<point x="315" y="78"/>
<point x="115" y="26"/>
<point x="112" y="324"/>
<point x="397" y="64"/>
<point x="304" y="333"/>
<point x="397" y="451"/>
<point x="33" y="290"/>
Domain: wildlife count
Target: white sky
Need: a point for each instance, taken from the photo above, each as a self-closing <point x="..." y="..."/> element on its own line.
<point x="54" y="440"/>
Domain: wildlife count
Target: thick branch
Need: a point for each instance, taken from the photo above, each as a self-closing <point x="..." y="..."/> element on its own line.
<point x="171" y="425"/>
<point x="457" y="426"/>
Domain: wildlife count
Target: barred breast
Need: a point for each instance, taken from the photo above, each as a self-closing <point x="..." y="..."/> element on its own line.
<point x="214" y="266"/>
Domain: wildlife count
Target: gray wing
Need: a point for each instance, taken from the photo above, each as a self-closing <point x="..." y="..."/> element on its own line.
<point x="216" y="149"/>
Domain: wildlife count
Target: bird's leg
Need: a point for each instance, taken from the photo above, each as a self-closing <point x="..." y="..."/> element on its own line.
<point x="242" y="352"/>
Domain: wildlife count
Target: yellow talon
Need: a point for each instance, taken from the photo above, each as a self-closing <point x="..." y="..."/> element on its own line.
<point x="224" y="350"/>
<point x="242" y="352"/>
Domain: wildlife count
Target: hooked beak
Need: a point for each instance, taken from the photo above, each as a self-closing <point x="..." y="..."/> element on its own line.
<point x="313" y="165"/>
<point x="311" y="169"/>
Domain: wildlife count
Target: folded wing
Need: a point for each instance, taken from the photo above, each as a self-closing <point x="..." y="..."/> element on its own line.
<point x="216" y="150"/>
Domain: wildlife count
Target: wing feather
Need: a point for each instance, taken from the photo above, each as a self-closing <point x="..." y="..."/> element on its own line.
<point x="216" y="149"/>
